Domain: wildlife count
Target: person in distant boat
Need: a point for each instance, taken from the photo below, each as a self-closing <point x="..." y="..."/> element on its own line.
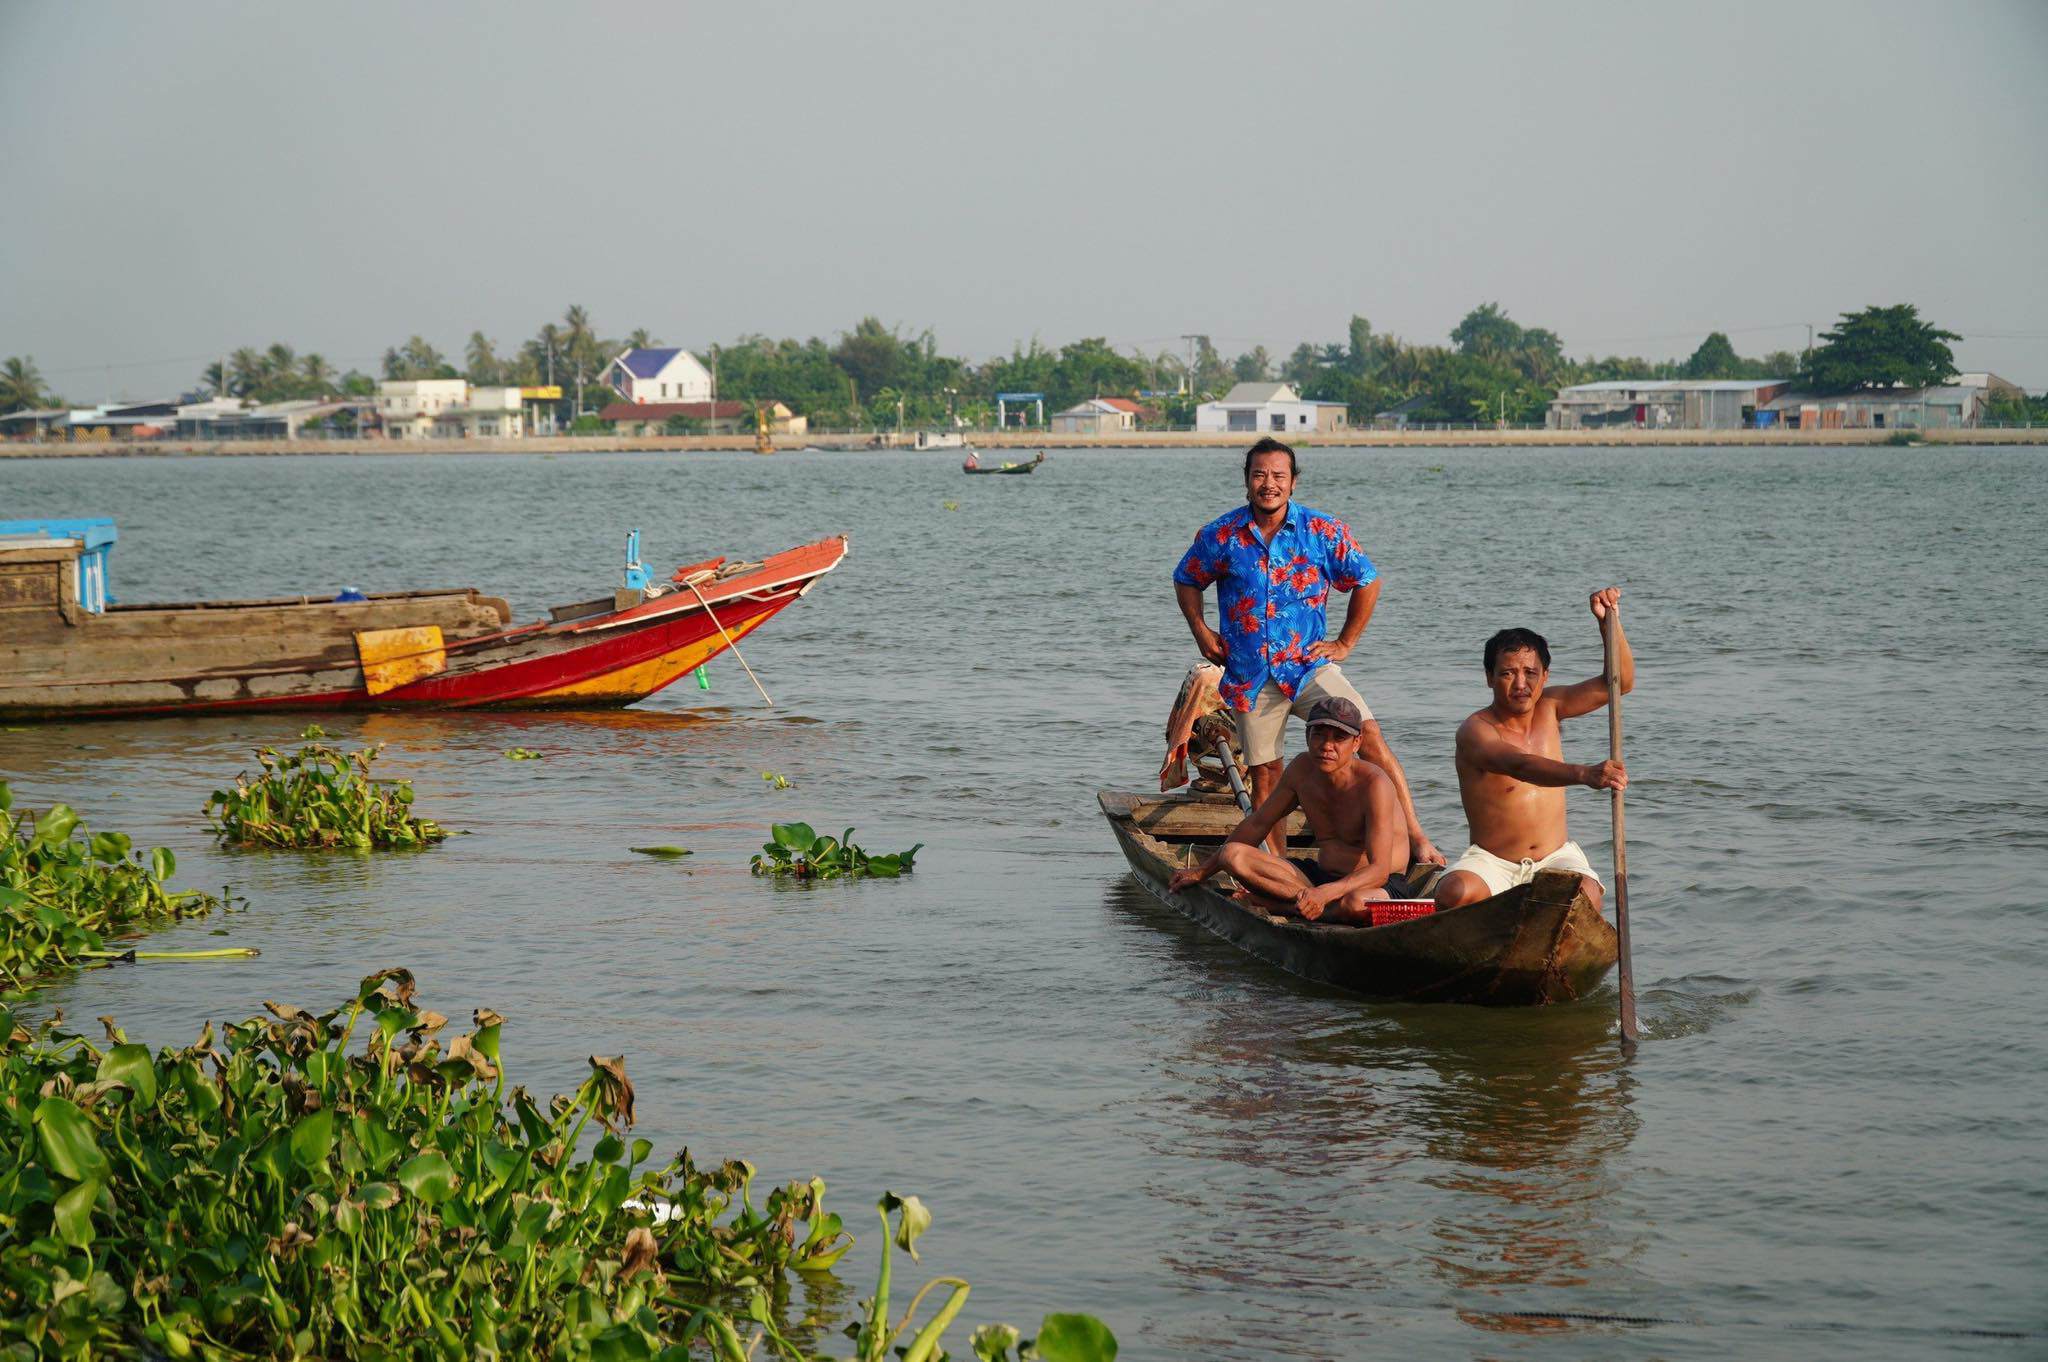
<point x="1512" y="772"/>
<point x="1273" y="563"/>
<point x="1352" y="812"/>
<point x="971" y="461"/>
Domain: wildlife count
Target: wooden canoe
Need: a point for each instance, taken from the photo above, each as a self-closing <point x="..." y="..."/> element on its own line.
<point x="1008" y="467"/>
<point x="1542" y="942"/>
<point x="61" y="659"/>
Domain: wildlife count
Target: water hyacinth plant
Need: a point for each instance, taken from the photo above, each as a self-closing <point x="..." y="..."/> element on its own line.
<point x="797" y="849"/>
<point x="318" y="797"/>
<point x="348" y="1185"/>
<point x="67" y="893"/>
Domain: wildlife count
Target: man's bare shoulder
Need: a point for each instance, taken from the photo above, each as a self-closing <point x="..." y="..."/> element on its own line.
<point x="1478" y="724"/>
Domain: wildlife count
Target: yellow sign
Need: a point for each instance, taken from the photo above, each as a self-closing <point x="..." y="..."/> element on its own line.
<point x="542" y="393"/>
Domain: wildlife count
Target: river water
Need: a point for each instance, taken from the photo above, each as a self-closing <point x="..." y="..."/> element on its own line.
<point x="1829" y="1145"/>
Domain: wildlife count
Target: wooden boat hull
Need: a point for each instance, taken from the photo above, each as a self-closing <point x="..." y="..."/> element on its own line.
<point x="302" y="655"/>
<point x="1008" y="470"/>
<point x="1538" y="943"/>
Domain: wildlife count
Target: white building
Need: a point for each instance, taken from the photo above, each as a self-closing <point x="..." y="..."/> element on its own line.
<point x="408" y="406"/>
<point x="489" y="413"/>
<point x="1274" y="408"/>
<point x="668" y="375"/>
<point x="1664" y="404"/>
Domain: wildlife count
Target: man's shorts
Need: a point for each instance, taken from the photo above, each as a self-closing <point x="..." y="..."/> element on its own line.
<point x="1259" y="732"/>
<point x="1501" y="875"/>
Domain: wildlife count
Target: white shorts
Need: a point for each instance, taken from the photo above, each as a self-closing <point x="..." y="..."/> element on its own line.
<point x="1501" y="875"/>
<point x="1260" y="731"/>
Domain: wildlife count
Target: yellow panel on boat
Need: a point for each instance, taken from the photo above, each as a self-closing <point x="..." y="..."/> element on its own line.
<point x="641" y="679"/>
<point x="395" y="657"/>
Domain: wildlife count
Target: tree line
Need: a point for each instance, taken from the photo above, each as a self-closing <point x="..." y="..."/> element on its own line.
<point x="875" y="375"/>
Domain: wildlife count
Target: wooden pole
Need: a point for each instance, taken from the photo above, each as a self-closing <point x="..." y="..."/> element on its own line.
<point x="1629" y="1032"/>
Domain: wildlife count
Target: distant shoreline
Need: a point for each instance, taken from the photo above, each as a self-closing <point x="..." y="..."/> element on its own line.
<point x="1139" y="439"/>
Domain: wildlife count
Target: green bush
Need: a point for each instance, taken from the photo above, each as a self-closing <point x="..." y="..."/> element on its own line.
<point x="66" y="892"/>
<point x="797" y="849"/>
<point x="319" y="796"/>
<point x="277" y="1193"/>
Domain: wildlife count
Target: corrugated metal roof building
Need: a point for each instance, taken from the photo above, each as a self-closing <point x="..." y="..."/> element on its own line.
<point x="1663" y="404"/>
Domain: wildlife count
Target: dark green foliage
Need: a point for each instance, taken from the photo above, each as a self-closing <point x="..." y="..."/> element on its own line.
<point x="797" y="849"/>
<point x="1880" y="347"/>
<point x="349" y="1185"/>
<point x="65" y="892"/>
<point x="319" y="797"/>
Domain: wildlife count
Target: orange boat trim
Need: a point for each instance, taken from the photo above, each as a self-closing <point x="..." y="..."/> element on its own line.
<point x="644" y="678"/>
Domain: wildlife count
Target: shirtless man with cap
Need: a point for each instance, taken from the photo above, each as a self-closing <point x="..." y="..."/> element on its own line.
<point x="1352" y="810"/>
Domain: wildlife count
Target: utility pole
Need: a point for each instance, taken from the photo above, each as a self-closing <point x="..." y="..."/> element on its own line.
<point x="1809" y="347"/>
<point x="1191" y="339"/>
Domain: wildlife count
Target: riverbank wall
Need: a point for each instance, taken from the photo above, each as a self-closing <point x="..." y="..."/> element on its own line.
<point x="1138" y="439"/>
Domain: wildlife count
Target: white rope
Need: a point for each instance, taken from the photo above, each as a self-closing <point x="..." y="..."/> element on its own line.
<point x="730" y="641"/>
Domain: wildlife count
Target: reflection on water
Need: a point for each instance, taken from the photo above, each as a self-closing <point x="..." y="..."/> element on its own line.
<point x="1317" y="1102"/>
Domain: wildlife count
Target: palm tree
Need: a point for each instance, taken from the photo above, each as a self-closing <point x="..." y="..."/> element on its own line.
<point x="579" y="347"/>
<point x="215" y="376"/>
<point x="421" y="359"/>
<point x="21" y="387"/>
<point x="245" y="371"/>
<point x="640" y="340"/>
<point x="483" y="360"/>
<point x="550" y="339"/>
<point x="279" y="361"/>
<point x="317" y="372"/>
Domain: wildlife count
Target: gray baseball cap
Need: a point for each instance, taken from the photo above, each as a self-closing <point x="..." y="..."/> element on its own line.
<point x="1337" y="713"/>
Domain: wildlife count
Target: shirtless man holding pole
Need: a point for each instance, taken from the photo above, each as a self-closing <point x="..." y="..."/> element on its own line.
<point x="1512" y="772"/>
<point x="1352" y="809"/>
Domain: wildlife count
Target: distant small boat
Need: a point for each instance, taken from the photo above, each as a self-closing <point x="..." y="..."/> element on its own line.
<point x="1542" y="942"/>
<point x="68" y="650"/>
<point x="973" y="465"/>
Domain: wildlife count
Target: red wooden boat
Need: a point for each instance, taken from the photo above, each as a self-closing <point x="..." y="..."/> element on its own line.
<point x="67" y="651"/>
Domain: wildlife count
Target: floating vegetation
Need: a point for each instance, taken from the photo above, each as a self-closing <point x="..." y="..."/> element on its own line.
<point x="349" y="1185"/>
<point x="951" y="505"/>
<point x="66" y="891"/>
<point x="521" y="754"/>
<point x="665" y="853"/>
<point x="318" y="797"/>
<point x="312" y="731"/>
<point x="775" y="781"/>
<point x="796" y="849"/>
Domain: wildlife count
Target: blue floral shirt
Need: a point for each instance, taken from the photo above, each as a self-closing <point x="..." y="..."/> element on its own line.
<point x="1271" y="596"/>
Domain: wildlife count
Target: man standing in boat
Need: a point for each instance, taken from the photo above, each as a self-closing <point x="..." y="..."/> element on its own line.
<point x="1512" y="772"/>
<point x="1351" y="811"/>
<point x="1273" y="563"/>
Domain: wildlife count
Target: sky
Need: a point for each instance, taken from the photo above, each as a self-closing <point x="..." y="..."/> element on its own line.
<point x="177" y="180"/>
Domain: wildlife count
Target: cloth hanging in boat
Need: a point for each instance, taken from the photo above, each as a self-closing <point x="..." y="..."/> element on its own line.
<point x="396" y="657"/>
<point x="1198" y="696"/>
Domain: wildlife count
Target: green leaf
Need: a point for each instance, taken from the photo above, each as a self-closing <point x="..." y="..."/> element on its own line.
<point x="111" y="847"/>
<point x="795" y="836"/>
<point x="70" y="1140"/>
<point x="1075" y="1338"/>
<point x="6" y="796"/>
<point x="913" y="1221"/>
<point x="312" y="1139"/>
<point x="72" y="1214"/>
<point x="377" y="1196"/>
<point x="666" y="853"/>
<point x="428" y="1176"/>
<point x="131" y="1064"/>
<point x="992" y="1342"/>
<point x="55" y="825"/>
<point x="162" y="864"/>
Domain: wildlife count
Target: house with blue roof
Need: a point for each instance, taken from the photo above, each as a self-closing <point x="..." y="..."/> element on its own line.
<point x="659" y="375"/>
